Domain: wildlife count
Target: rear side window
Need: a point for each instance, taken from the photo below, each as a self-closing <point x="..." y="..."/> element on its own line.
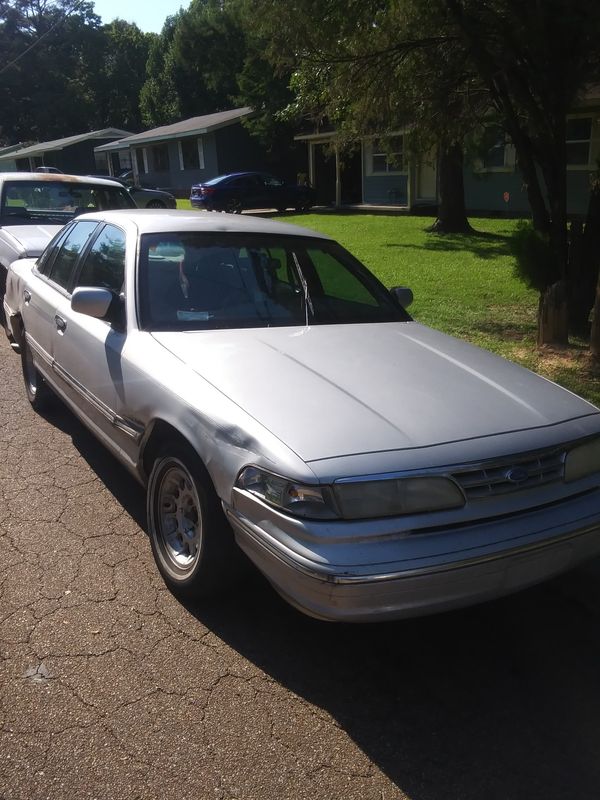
<point x="66" y="258"/>
<point x="104" y="265"/>
<point x="44" y="262"/>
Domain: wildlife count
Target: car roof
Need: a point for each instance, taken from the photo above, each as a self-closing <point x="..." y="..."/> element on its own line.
<point x="227" y="175"/>
<point x="177" y="221"/>
<point x="54" y="177"/>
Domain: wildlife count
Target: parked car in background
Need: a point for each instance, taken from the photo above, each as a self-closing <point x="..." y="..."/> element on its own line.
<point x="35" y="205"/>
<point x="144" y="196"/>
<point x="245" y="190"/>
<point x="269" y="391"/>
<point x="52" y="170"/>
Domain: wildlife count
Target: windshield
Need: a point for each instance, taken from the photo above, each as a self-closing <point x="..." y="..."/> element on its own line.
<point x="195" y="281"/>
<point x="56" y="202"/>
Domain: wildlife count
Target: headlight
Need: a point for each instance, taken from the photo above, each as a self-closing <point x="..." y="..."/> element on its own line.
<point x="388" y="498"/>
<point x="299" y="499"/>
<point x="582" y="461"/>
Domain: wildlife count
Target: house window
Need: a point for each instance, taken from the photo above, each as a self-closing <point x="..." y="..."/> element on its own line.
<point x="160" y="157"/>
<point x="191" y="153"/>
<point x="141" y="160"/>
<point x="496" y="155"/>
<point x="579" y="136"/>
<point x="495" y="152"/>
<point x="387" y="156"/>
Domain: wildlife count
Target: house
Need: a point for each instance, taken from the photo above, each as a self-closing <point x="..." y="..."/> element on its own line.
<point x="9" y="164"/>
<point x="73" y="154"/>
<point x="381" y="173"/>
<point x="175" y="156"/>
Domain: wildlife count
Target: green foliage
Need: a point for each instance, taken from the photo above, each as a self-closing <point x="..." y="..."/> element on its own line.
<point x="123" y="73"/>
<point x="194" y="63"/>
<point x="62" y="72"/>
<point x="159" y="102"/>
<point x="536" y="263"/>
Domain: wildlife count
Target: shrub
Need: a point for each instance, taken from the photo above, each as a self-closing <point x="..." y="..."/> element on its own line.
<point x="535" y="262"/>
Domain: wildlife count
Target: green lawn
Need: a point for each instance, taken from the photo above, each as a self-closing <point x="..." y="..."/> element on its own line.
<point x="463" y="285"/>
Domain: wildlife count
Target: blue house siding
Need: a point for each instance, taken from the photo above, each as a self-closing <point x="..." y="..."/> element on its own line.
<point x="484" y="191"/>
<point x="175" y="179"/>
<point x="225" y="150"/>
<point x="385" y="190"/>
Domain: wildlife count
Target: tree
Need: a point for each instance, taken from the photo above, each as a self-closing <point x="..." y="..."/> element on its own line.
<point x="443" y="69"/>
<point x="536" y="59"/>
<point x="159" y="101"/>
<point x="375" y="68"/>
<point x="193" y="65"/>
<point x="51" y="52"/>
<point x="122" y="74"/>
<point x="64" y="73"/>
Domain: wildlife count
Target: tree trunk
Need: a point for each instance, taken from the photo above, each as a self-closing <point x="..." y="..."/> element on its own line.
<point x="595" y="334"/>
<point x="452" y="213"/>
<point x="584" y="263"/>
<point x="553" y="315"/>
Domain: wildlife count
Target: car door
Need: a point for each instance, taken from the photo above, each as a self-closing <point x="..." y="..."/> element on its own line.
<point x="49" y="283"/>
<point x="276" y="194"/>
<point x="88" y="350"/>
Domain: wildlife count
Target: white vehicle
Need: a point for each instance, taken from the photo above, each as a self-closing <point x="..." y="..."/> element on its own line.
<point x="272" y="395"/>
<point x="35" y="205"/>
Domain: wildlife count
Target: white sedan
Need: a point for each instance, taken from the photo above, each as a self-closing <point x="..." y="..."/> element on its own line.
<point x="273" y="396"/>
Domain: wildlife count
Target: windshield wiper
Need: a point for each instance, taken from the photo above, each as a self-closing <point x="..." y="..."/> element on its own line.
<point x="307" y="301"/>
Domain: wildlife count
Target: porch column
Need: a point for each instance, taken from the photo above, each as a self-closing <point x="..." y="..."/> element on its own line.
<point x="134" y="167"/>
<point x="338" y="181"/>
<point x="312" y="178"/>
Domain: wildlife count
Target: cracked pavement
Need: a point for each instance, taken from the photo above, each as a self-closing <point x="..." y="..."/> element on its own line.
<point x="110" y="688"/>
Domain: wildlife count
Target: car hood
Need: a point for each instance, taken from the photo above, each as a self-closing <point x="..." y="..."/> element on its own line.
<point x="336" y="390"/>
<point x="31" y="239"/>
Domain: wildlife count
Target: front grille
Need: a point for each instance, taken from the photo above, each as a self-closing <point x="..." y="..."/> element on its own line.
<point x="512" y="474"/>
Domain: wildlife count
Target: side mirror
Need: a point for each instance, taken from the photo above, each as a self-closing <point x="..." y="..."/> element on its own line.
<point x="403" y="295"/>
<point x="92" y="301"/>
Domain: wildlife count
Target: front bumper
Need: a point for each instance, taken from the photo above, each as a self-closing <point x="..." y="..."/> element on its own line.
<point x="405" y="576"/>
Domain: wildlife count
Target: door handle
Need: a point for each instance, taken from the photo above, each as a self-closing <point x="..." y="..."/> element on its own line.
<point x="26" y="295"/>
<point x="61" y="324"/>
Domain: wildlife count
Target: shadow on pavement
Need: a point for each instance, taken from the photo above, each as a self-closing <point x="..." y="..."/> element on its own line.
<point x="497" y="702"/>
<point x="115" y="477"/>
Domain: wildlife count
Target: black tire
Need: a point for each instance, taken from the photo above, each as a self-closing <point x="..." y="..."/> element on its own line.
<point x="37" y="390"/>
<point x="192" y="543"/>
<point x="233" y="206"/>
<point x="155" y="204"/>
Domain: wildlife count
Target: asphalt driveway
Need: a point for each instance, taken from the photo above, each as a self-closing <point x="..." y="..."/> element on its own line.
<point x="110" y="688"/>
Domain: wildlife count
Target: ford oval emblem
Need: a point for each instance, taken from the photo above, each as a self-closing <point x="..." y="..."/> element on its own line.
<point x="517" y="475"/>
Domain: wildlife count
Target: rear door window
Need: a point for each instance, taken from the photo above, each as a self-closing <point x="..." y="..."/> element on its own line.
<point x="64" y="264"/>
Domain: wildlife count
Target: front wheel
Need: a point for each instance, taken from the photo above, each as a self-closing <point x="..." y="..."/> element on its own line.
<point x="38" y="392"/>
<point x="155" y="204"/>
<point x="192" y="543"/>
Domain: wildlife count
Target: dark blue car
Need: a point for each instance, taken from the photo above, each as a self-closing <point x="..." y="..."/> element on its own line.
<point x="240" y="190"/>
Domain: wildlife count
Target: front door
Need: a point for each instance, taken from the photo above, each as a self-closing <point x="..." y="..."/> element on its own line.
<point x="54" y="272"/>
<point x="88" y="350"/>
<point x="427" y="181"/>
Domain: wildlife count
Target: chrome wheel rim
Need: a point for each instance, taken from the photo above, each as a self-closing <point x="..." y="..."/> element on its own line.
<point x="30" y="371"/>
<point x="179" y="518"/>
